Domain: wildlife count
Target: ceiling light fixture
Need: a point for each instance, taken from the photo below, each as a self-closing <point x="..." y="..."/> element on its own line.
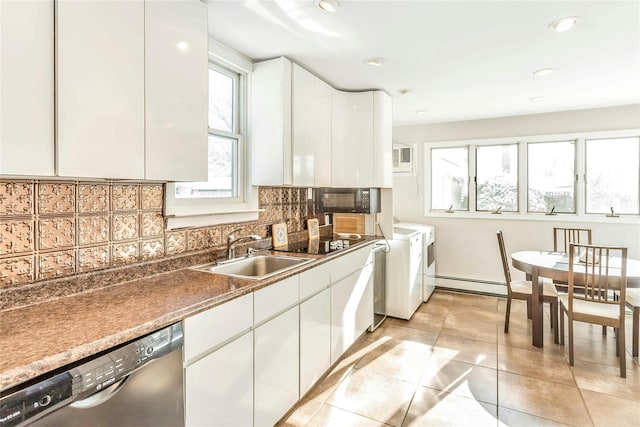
<point x="404" y="91"/>
<point x="328" y="5"/>
<point x="374" y="62"/>
<point x="543" y="72"/>
<point x="536" y="98"/>
<point x="564" y="24"/>
<point x="421" y="111"/>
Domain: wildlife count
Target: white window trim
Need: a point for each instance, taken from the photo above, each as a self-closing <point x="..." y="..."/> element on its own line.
<point x="205" y="212"/>
<point x="522" y="214"/>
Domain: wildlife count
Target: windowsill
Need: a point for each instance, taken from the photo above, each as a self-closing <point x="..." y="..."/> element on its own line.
<point x="511" y="216"/>
<point x="204" y="220"/>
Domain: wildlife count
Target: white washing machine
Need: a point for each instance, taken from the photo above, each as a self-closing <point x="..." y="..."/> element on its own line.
<point x="429" y="261"/>
<point x="404" y="288"/>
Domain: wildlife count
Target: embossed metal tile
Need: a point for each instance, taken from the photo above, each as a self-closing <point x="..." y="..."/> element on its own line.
<point x="152" y="224"/>
<point x="197" y="239"/>
<point x="16" y="237"/>
<point x="125" y="197"/>
<point x="16" y="198"/>
<point x="152" y="196"/>
<point x="152" y="248"/>
<point x="17" y="270"/>
<point x="93" y="198"/>
<point x="56" y="264"/>
<point x="125" y="227"/>
<point x="94" y="258"/>
<point x="93" y="230"/>
<point x="56" y="198"/>
<point x="56" y="233"/>
<point x="176" y="242"/>
<point x="124" y="253"/>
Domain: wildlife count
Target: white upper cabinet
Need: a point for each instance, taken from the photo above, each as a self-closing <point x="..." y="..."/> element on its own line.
<point x="382" y="140"/>
<point x="100" y="88"/>
<point x="176" y="97"/>
<point x="26" y="78"/>
<point x="311" y="129"/>
<point x="291" y="125"/>
<point x="361" y="139"/>
<point x="132" y="93"/>
<point x="352" y="139"/>
<point x="271" y="122"/>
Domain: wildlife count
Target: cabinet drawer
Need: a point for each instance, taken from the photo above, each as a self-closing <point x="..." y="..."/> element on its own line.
<point x="275" y="298"/>
<point x="210" y="328"/>
<point x="346" y="264"/>
<point x="314" y="280"/>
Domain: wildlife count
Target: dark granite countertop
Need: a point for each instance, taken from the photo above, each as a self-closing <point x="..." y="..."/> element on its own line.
<point x="40" y="338"/>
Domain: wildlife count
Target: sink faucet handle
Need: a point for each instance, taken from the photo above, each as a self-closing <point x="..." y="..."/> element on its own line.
<point x="232" y="233"/>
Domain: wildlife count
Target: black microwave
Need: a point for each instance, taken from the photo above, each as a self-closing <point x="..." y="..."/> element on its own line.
<point x="348" y="200"/>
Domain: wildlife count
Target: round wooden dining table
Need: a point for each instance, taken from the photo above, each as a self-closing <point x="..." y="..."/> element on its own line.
<point x="555" y="265"/>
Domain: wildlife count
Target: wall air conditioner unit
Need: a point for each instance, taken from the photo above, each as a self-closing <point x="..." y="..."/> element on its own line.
<point x="403" y="158"/>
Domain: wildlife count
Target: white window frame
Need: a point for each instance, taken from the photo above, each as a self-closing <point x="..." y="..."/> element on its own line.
<point x="195" y="212"/>
<point x="580" y="190"/>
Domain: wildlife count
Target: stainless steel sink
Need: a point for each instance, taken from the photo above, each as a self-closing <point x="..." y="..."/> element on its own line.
<point x="255" y="267"/>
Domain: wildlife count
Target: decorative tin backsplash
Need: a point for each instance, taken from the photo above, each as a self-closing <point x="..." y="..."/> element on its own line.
<point x="52" y="229"/>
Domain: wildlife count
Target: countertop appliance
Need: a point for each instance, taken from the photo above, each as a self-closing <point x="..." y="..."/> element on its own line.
<point x="428" y="259"/>
<point x="348" y="200"/>
<point x="404" y="289"/>
<point x="137" y="384"/>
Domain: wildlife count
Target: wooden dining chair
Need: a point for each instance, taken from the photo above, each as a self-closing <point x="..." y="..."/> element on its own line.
<point x="563" y="237"/>
<point x="521" y="290"/>
<point x="633" y="299"/>
<point x="602" y="274"/>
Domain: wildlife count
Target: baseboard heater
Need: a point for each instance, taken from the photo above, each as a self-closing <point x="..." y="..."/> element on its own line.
<point x="484" y="287"/>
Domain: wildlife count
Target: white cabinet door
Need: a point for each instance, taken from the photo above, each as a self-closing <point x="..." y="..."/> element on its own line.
<point x="100" y="88"/>
<point x="351" y="309"/>
<point x="352" y="139"/>
<point x="270" y="128"/>
<point x="176" y="97"/>
<point x="26" y="78"/>
<point x="219" y="387"/>
<point x="276" y="367"/>
<point x="315" y="339"/>
<point x="311" y="129"/>
<point x="382" y="140"/>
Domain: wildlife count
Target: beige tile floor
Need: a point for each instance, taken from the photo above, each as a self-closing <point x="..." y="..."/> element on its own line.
<point x="452" y="364"/>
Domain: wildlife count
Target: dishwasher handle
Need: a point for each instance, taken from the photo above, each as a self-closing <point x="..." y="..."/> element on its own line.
<point x="101" y="396"/>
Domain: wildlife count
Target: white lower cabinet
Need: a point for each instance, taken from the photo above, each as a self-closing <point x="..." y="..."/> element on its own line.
<point x="276" y="364"/>
<point x="351" y="309"/>
<point x="219" y="387"/>
<point x="315" y="339"/>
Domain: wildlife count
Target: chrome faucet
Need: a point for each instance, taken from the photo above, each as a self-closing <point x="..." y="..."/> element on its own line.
<point x="232" y="240"/>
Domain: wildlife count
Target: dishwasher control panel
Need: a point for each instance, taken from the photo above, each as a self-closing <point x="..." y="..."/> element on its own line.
<point x="87" y="378"/>
<point x="35" y="401"/>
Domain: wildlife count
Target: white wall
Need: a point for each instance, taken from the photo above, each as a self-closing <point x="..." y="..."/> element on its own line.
<point x="467" y="247"/>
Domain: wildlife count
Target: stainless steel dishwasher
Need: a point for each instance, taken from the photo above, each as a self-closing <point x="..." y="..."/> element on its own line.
<point x="137" y="384"/>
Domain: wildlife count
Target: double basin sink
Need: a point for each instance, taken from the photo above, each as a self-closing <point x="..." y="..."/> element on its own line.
<point x="255" y="267"/>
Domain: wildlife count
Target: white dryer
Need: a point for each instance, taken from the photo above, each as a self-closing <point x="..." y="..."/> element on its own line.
<point x="428" y="259"/>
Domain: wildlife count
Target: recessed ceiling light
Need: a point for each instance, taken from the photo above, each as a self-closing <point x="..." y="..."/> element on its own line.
<point x="563" y="24"/>
<point x="328" y="5"/>
<point x="374" y="62"/>
<point x="404" y="91"/>
<point x="543" y="72"/>
<point x="536" y="98"/>
<point x="421" y="111"/>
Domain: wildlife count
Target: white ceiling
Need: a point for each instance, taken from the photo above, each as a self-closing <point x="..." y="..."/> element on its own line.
<point x="461" y="60"/>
